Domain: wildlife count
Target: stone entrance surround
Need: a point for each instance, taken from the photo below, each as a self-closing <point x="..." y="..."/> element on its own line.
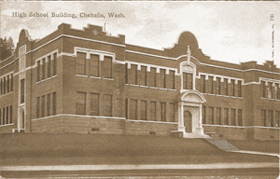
<point x="191" y="101"/>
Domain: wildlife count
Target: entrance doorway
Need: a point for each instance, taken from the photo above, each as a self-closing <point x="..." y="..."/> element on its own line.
<point x="188" y="121"/>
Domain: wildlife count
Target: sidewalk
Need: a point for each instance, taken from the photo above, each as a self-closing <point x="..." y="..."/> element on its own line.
<point x="257" y="153"/>
<point x="140" y="167"/>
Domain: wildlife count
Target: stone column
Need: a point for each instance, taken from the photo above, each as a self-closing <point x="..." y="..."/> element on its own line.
<point x="200" y="116"/>
<point x="181" y="117"/>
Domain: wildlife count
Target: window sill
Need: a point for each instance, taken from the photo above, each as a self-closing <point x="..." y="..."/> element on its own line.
<point x="95" y="77"/>
<point x="5" y="125"/>
<point x="134" y="85"/>
<point x="172" y="89"/>
<point x="108" y="79"/>
<point x="271" y="99"/>
<point x="153" y="87"/>
<point x="21" y="104"/>
<point x="144" y="86"/>
<point x="6" y="94"/>
<point x="233" y="97"/>
<point x="84" y="76"/>
<point x="239" y="97"/>
<point x="210" y="94"/>
<point x="46" y="79"/>
<point x="219" y="95"/>
<point x="225" y="96"/>
<point x="163" y="88"/>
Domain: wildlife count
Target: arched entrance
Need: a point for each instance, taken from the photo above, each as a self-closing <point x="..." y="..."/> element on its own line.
<point x="190" y="114"/>
<point x="188" y="121"/>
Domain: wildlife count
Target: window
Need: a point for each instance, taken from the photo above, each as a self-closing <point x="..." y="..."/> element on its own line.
<point x="108" y="105"/>
<point x="8" y="84"/>
<point x="277" y="118"/>
<point x="38" y="71"/>
<point x="263" y="88"/>
<point x="143" y="110"/>
<point x="187" y="80"/>
<point x="162" y="79"/>
<point x="12" y="82"/>
<point x="54" y="64"/>
<point x="211" y="84"/>
<point x="133" y="109"/>
<point x="94" y="104"/>
<point x="226" y="87"/>
<point x="218" y="85"/>
<point x="49" y="104"/>
<point x="269" y="90"/>
<point x="203" y="84"/>
<point x="94" y="65"/>
<point x="11" y="114"/>
<point x="44" y="69"/>
<point x="153" y="76"/>
<point x="153" y="110"/>
<point x="126" y="74"/>
<point x="81" y="64"/>
<point x="4" y="86"/>
<point x="240" y="118"/>
<point x="219" y="118"/>
<point x="204" y="115"/>
<point x="7" y="114"/>
<point x="270" y="118"/>
<point x="143" y="76"/>
<point x="239" y="89"/>
<point x="126" y="108"/>
<point x="1" y="87"/>
<point x="171" y="79"/>
<point x="38" y="107"/>
<point x="232" y="88"/>
<point x="278" y="90"/>
<point x="22" y="82"/>
<point x="133" y="75"/>
<point x="49" y="67"/>
<point x="211" y="115"/>
<point x="172" y="112"/>
<point x="43" y="106"/>
<point x="107" y="67"/>
<point x="54" y="103"/>
<point x="263" y="117"/>
<point x="81" y="103"/>
<point x="163" y="111"/>
<point x="233" y="117"/>
<point x="4" y="122"/>
<point x="226" y="116"/>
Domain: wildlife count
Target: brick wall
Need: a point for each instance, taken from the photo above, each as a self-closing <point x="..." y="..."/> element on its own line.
<point x="242" y="133"/>
<point x="95" y="125"/>
<point x="266" y="134"/>
<point x="7" y="128"/>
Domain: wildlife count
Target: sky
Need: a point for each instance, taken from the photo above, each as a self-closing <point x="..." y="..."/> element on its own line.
<point x="227" y="31"/>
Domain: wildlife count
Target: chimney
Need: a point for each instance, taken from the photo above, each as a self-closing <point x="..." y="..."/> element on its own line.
<point x="105" y="27"/>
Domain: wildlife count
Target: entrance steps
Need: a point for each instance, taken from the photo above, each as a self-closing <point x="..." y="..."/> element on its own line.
<point x="222" y="144"/>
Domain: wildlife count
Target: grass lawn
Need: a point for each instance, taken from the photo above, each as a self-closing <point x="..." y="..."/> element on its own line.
<point x="78" y="149"/>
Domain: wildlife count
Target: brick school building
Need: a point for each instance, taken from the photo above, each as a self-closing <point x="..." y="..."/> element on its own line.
<point x="86" y="81"/>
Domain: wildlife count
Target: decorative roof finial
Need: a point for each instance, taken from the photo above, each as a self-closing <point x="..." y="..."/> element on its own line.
<point x="189" y="54"/>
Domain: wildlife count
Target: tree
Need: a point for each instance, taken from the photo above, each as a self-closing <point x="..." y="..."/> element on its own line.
<point x="7" y="47"/>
